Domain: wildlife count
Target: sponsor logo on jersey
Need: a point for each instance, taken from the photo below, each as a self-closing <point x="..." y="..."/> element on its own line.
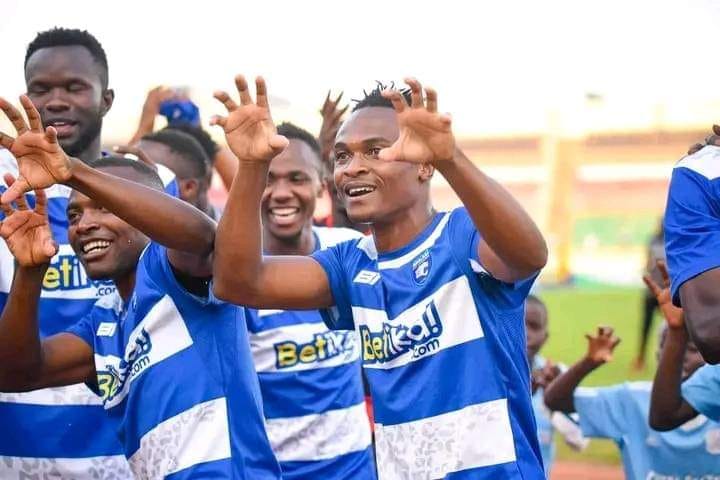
<point x="112" y="381"/>
<point x="106" y="329"/>
<point x="322" y="347"/>
<point x="367" y="277"/>
<point x="66" y="273"/>
<point x="421" y="337"/>
<point x="421" y="267"/>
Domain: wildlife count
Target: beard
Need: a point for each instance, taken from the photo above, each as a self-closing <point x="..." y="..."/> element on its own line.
<point x="85" y="138"/>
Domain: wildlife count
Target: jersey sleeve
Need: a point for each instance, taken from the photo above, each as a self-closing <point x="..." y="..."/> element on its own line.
<point x="333" y="261"/>
<point x="169" y="180"/>
<point x="702" y="391"/>
<point x="84" y="328"/>
<point x="692" y="220"/>
<point x="465" y="240"/>
<point x="602" y="411"/>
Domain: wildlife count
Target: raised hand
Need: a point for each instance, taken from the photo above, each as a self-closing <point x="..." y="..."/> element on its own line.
<point x="425" y="134"/>
<point x="27" y="232"/>
<point x="673" y="315"/>
<point x="41" y="161"/>
<point x="331" y="115"/>
<point x="712" y="139"/>
<point x="601" y="346"/>
<point x="249" y="129"/>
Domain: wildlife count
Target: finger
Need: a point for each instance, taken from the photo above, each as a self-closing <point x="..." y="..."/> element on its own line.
<point x="6" y="140"/>
<point x="13" y="114"/>
<point x="51" y="134"/>
<point x="389" y="154"/>
<point x="662" y="266"/>
<point x="41" y="201"/>
<point x="589" y="337"/>
<point x="261" y="92"/>
<point x="278" y="143"/>
<point x="337" y="100"/>
<point x="607" y="331"/>
<point x="226" y="100"/>
<point x="431" y="95"/>
<point x="416" y="95"/>
<point x="339" y="114"/>
<point x="17" y="189"/>
<point x="325" y="104"/>
<point x="695" y="148"/>
<point x="243" y="90"/>
<point x="139" y="154"/>
<point x="615" y="342"/>
<point x="218" y="120"/>
<point x="712" y="140"/>
<point x="21" y="202"/>
<point x="397" y="100"/>
<point x="32" y="114"/>
<point x="651" y="285"/>
<point x="7" y="210"/>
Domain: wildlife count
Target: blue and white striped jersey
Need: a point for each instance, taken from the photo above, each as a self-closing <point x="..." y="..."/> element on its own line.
<point x="175" y="373"/>
<point x="59" y="431"/>
<point x="443" y="348"/>
<point x="311" y="384"/>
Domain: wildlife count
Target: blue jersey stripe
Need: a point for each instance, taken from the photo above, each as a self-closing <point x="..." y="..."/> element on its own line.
<point x="33" y="431"/>
<point x="354" y="465"/>
<point x="307" y="392"/>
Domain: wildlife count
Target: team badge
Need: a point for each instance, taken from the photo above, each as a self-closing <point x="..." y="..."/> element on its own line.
<point x="421" y="267"/>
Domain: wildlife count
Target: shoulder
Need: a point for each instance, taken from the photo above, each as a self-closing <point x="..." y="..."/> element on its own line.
<point x="331" y="236"/>
<point x="705" y="162"/>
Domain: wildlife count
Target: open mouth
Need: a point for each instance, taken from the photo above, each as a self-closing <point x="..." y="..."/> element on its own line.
<point x="357" y="190"/>
<point x="64" y="127"/>
<point x="95" y="249"/>
<point x="284" y="215"/>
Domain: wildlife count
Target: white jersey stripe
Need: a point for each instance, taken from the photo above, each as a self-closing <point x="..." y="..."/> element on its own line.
<point x="453" y="321"/>
<point x="77" y="394"/>
<point x="706" y="162"/>
<point x="319" y="437"/>
<point x="111" y="466"/>
<point x="477" y="436"/>
<point x="205" y="435"/>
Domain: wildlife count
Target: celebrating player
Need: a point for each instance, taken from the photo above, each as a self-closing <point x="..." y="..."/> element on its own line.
<point x="310" y="376"/>
<point x="171" y="364"/>
<point x="437" y="298"/>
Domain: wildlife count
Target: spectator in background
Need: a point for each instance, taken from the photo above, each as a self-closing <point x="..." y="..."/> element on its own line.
<point x="620" y="413"/>
<point x="543" y="372"/>
<point x="655" y="253"/>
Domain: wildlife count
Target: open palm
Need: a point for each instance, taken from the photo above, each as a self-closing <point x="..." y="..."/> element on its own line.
<point x="249" y="129"/>
<point x="41" y="161"/>
<point x="425" y="135"/>
<point x="602" y="345"/>
<point x="27" y="232"/>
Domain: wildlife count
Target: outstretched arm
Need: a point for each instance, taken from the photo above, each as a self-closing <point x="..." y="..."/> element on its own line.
<point x="559" y="395"/>
<point x="26" y="362"/>
<point x="512" y="248"/>
<point x="668" y="409"/>
<point x="151" y="109"/>
<point x="242" y="275"/>
<point x="184" y="230"/>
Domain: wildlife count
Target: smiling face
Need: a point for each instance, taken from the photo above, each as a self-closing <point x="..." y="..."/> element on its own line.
<point x="65" y="85"/>
<point x="293" y="186"/>
<point x="372" y="190"/>
<point x="107" y="246"/>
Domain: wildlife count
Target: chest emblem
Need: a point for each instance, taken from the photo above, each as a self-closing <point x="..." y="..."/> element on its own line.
<point x="421" y="267"/>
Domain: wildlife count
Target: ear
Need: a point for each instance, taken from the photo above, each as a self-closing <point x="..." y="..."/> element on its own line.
<point x="189" y="188"/>
<point x="425" y="172"/>
<point x="108" y="97"/>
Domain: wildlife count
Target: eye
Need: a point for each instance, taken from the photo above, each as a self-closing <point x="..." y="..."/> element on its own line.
<point x="73" y="217"/>
<point x="299" y="178"/>
<point x="342" y="157"/>
<point x="75" y="87"/>
<point x="37" y="89"/>
<point x="374" y="152"/>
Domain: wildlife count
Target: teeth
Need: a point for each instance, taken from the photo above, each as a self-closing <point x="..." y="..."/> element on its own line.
<point x="354" y="191"/>
<point x="284" y="212"/>
<point x="97" y="244"/>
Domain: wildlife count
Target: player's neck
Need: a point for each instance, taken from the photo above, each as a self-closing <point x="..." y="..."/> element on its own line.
<point x="92" y="152"/>
<point x="402" y="228"/>
<point x="303" y="244"/>
<point x="125" y="285"/>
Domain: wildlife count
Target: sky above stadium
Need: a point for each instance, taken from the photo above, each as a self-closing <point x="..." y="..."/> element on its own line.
<point x="501" y="67"/>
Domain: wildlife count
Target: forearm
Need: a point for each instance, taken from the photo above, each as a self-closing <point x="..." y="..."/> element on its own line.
<point x="505" y="226"/>
<point x="701" y="304"/>
<point x="20" y="350"/>
<point x="226" y="165"/>
<point x="666" y="402"/>
<point x="238" y="242"/>
<point x="171" y="222"/>
<point x="145" y="127"/>
<point x="559" y="395"/>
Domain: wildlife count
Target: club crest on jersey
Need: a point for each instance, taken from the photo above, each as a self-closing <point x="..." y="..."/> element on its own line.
<point x="421" y="267"/>
<point x="421" y="337"/>
<point x="112" y="381"/>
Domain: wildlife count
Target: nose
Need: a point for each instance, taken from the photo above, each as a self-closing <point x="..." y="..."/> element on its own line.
<point x="57" y="101"/>
<point x="280" y="191"/>
<point x="357" y="166"/>
<point x="87" y="223"/>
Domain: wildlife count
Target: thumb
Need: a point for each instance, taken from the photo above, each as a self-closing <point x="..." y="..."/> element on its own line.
<point x="278" y="143"/>
<point x="390" y="154"/>
<point x="16" y="190"/>
<point x="50" y="248"/>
